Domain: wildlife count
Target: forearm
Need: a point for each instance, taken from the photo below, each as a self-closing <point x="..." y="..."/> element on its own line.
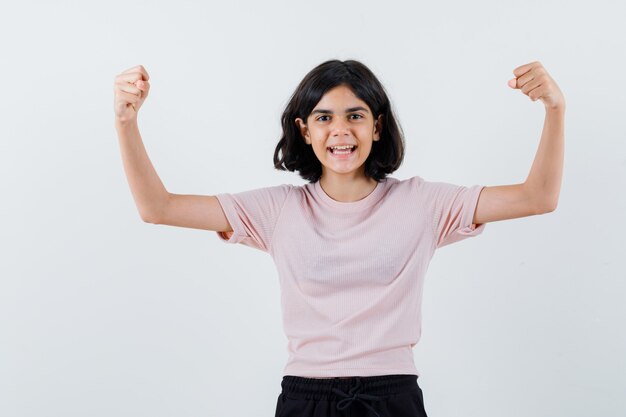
<point x="147" y="189"/>
<point x="544" y="179"/>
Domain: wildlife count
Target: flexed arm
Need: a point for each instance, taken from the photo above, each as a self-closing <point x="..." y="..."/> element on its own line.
<point x="544" y="179"/>
<point x="539" y="194"/>
<point x="131" y="89"/>
<point x="155" y="204"/>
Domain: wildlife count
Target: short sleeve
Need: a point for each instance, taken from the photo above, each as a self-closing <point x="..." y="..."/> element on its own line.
<point x="253" y="215"/>
<point x="452" y="207"/>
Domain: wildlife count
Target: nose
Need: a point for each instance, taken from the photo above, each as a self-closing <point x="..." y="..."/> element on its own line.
<point x="340" y="127"/>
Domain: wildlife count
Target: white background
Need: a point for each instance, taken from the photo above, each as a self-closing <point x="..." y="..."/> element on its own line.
<point x="102" y="314"/>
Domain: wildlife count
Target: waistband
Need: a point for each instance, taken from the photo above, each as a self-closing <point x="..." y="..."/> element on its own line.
<point x="365" y="389"/>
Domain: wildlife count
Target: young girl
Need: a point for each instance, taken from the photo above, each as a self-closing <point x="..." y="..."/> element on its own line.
<point x="351" y="246"/>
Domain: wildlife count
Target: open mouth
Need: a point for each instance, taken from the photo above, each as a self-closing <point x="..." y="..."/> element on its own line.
<point x="342" y="150"/>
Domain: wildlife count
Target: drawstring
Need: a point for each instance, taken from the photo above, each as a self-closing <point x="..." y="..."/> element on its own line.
<point x="355" y="395"/>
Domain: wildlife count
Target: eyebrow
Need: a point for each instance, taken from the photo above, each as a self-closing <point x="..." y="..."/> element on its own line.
<point x="348" y="110"/>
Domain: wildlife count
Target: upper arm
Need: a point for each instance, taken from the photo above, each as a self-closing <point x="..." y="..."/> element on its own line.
<point x="193" y="211"/>
<point x="504" y="202"/>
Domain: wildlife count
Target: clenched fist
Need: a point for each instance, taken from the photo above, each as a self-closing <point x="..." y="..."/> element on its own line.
<point x="534" y="81"/>
<point x="131" y="89"/>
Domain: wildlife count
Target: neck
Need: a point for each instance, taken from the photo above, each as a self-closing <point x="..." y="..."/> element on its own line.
<point x="347" y="189"/>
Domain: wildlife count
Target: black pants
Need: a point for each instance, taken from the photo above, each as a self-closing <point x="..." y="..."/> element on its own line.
<point x="365" y="396"/>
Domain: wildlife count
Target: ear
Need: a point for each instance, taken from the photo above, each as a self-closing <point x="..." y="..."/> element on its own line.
<point x="304" y="130"/>
<point x="378" y="127"/>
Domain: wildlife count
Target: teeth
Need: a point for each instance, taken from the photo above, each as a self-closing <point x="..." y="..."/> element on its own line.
<point x="343" y="147"/>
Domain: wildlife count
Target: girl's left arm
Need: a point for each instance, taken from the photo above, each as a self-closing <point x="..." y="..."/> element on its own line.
<point x="540" y="192"/>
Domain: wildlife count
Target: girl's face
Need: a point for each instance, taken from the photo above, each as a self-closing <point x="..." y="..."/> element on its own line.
<point x="341" y="118"/>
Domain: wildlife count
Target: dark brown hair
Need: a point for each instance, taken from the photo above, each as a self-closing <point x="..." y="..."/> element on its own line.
<point x="387" y="153"/>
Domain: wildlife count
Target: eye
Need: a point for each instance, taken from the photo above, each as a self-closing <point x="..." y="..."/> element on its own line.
<point x="319" y="118"/>
<point x="358" y="115"/>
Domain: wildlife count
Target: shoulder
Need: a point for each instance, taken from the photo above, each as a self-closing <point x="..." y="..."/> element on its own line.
<point x="281" y="190"/>
<point x="420" y="188"/>
<point x="407" y="185"/>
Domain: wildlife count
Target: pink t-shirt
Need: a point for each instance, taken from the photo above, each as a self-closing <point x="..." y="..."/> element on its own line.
<point x="351" y="273"/>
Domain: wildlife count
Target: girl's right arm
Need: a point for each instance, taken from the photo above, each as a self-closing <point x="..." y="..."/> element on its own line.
<point x="155" y="204"/>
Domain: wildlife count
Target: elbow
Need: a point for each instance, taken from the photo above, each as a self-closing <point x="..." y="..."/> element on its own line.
<point x="149" y="217"/>
<point x="548" y="207"/>
<point x="154" y="214"/>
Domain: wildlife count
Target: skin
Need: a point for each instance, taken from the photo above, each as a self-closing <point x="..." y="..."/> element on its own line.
<point x="342" y="180"/>
<point x="534" y="81"/>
